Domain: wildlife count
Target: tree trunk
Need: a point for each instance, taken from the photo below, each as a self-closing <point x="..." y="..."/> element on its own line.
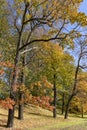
<point x="21" y="93"/>
<point x="13" y="88"/>
<point x="82" y="111"/>
<point x="66" y="111"/>
<point x="67" y="106"/>
<point x="63" y="103"/>
<point x="21" y="100"/>
<point x="54" y="102"/>
<point x="15" y="70"/>
<point x="10" y="117"/>
<point x="13" y="97"/>
<point x="21" y="106"/>
<point x="74" y="92"/>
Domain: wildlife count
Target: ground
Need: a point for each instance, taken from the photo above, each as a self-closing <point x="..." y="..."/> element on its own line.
<point x="36" y="118"/>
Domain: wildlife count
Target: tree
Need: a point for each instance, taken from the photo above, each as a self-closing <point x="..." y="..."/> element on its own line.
<point x="31" y="16"/>
<point x="53" y="54"/>
<point x="66" y="78"/>
<point x="52" y="64"/>
<point x="80" y="64"/>
<point x="82" y="88"/>
<point x="79" y="102"/>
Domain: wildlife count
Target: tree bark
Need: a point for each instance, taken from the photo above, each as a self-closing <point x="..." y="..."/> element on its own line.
<point x="82" y="111"/>
<point x="10" y="118"/>
<point x="10" y="121"/>
<point x="63" y="103"/>
<point x="68" y="104"/>
<point x="21" y="93"/>
<point x="21" y="106"/>
<point x="21" y="98"/>
<point x="67" y="107"/>
<point x="13" y="93"/>
<point x="54" y="102"/>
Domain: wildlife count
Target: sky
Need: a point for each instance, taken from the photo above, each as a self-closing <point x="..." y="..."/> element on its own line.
<point x="83" y="7"/>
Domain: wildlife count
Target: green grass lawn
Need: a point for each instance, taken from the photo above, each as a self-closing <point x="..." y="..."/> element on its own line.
<point x="36" y="118"/>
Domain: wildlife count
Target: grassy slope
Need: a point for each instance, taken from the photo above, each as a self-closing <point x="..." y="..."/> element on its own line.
<point x="40" y="119"/>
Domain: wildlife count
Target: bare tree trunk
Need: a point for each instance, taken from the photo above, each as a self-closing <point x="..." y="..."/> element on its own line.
<point x="13" y="92"/>
<point x="82" y="111"/>
<point x="54" y="102"/>
<point x="21" y="93"/>
<point x="74" y="91"/>
<point x="11" y="114"/>
<point x="67" y="106"/>
<point x="63" y="103"/>
<point x="10" y="118"/>
<point x="21" y="106"/>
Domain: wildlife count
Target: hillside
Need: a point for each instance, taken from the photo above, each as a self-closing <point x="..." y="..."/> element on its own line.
<point x="36" y="118"/>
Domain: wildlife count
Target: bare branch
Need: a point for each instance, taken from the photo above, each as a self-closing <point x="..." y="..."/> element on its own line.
<point x="33" y="48"/>
<point x="43" y="40"/>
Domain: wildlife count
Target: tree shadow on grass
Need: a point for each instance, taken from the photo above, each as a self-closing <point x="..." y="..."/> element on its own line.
<point x="3" y="121"/>
<point x="3" y="114"/>
<point x="2" y="124"/>
<point x="78" y="116"/>
<point x="42" y="115"/>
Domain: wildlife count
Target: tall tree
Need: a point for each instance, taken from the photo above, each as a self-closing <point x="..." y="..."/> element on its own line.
<point x="52" y="62"/>
<point x="80" y="64"/>
<point x="44" y="16"/>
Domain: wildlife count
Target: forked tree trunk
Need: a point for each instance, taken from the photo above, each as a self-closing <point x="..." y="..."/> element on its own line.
<point x="74" y="91"/>
<point x="54" y="102"/>
<point x="15" y="71"/>
<point x="67" y="105"/>
<point x="67" y="110"/>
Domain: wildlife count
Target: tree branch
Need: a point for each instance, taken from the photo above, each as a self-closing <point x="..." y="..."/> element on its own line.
<point x="42" y="40"/>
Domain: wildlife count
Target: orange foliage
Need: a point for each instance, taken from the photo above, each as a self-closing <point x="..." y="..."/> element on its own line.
<point x="43" y="101"/>
<point x="7" y="103"/>
<point x="6" y="64"/>
<point x="44" y="82"/>
<point x="1" y="72"/>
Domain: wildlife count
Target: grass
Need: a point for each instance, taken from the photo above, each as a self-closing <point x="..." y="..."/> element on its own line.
<point x="36" y="118"/>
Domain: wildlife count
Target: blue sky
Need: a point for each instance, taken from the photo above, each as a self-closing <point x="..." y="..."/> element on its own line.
<point x="83" y="7"/>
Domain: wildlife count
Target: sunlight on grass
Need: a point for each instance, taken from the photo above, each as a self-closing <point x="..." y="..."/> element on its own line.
<point x="36" y="118"/>
<point x="58" y="125"/>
